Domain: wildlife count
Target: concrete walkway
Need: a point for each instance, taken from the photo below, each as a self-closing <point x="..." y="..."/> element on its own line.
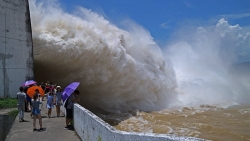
<point x="23" y="131"/>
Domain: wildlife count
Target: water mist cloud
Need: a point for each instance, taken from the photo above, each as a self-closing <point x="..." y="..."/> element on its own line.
<point x="202" y="60"/>
<point x="124" y="69"/>
<point x="119" y="70"/>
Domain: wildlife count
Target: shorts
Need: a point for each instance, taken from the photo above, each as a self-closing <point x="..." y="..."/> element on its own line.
<point x="35" y="111"/>
<point x="49" y="106"/>
<point x="28" y="99"/>
<point x="69" y="113"/>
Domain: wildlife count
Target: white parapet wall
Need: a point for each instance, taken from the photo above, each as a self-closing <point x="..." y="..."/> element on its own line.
<point x="89" y="127"/>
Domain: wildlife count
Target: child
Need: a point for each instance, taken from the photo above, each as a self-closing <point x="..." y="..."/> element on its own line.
<point x="50" y="101"/>
<point x="36" y="113"/>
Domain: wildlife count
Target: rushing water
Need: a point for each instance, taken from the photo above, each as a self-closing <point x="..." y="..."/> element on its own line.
<point x="208" y="122"/>
<point x="190" y="87"/>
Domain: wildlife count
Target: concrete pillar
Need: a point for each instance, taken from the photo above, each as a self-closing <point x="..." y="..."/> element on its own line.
<point x="16" y="49"/>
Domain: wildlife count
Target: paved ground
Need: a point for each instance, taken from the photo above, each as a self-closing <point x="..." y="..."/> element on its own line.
<point x="23" y="131"/>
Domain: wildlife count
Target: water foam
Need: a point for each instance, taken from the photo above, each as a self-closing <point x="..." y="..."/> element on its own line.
<point x="125" y="69"/>
<point x="118" y="69"/>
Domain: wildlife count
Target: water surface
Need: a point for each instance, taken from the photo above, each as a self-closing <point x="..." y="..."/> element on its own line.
<point x="6" y="122"/>
<point x="207" y="122"/>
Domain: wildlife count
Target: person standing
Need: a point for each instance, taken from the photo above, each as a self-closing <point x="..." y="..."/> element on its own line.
<point x="36" y="113"/>
<point x="43" y="87"/>
<point x="47" y="87"/>
<point x="50" y="102"/>
<point x="69" y="108"/>
<point x="58" y="100"/>
<point x="21" y="97"/>
<point x="28" y="99"/>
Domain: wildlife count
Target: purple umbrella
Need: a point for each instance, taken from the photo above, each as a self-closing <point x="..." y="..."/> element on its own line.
<point x="69" y="90"/>
<point x="29" y="82"/>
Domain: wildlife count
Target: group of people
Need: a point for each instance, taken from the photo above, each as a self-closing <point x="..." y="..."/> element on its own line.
<point x="53" y="93"/>
<point x="54" y="97"/>
<point x="21" y="97"/>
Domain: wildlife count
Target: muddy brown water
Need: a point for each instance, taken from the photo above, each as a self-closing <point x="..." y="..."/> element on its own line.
<point x="207" y="122"/>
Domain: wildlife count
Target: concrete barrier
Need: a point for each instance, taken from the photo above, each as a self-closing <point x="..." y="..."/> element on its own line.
<point x="89" y="127"/>
<point x="16" y="51"/>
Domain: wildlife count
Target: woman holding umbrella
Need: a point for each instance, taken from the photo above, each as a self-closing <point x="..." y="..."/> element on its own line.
<point x="69" y="97"/>
<point x="69" y="108"/>
<point x="35" y="90"/>
<point x="27" y="85"/>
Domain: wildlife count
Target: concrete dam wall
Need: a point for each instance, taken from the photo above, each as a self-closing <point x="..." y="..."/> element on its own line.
<point x="16" y="50"/>
<point x="16" y="66"/>
<point x="90" y="127"/>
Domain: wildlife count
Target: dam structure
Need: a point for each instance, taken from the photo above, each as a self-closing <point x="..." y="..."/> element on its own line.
<point x="16" y="67"/>
<point x="16" y="49"/>
<point x="90" y="127"/>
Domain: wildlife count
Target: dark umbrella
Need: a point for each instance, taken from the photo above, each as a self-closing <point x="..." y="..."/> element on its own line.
<point x="69" y="90"/>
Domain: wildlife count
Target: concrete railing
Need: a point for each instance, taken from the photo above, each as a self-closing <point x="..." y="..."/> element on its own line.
<point x="89" y="127"/>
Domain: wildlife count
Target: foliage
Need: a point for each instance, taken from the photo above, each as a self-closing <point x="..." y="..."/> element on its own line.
<point x="13" y="113"/>
<point x="8" y="103"/>
<point x="99" y="138"/>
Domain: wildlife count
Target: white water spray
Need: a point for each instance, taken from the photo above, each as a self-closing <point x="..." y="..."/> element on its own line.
<point x="203" y="64"/>
<point x="118" y="70"/>
<point x="123" y="70"/>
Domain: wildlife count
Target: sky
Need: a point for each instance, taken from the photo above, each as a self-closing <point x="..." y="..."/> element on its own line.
<point x="162" y="17"/>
